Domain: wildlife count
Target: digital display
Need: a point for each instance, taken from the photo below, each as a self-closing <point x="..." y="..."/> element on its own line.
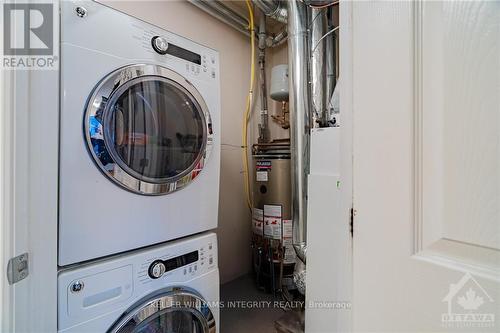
<point x="185" y="259"/>
<point x="179" y="52"/>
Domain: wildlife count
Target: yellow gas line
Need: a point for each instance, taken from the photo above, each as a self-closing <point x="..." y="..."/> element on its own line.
<point x="248" y="106"/>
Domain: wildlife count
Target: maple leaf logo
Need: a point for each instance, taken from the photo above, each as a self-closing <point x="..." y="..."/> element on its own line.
<point x="470" y="301"/>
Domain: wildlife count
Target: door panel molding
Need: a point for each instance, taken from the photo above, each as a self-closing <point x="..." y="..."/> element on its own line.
<point x="430" y="242"/>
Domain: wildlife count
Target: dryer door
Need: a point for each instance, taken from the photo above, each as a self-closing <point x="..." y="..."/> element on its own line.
<point x="148" y="129"/>
<point x="174" y="312"/>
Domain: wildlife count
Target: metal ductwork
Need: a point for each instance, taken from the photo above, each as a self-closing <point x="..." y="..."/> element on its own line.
<point x="331" y="72"/>
<point x="264" y="117"/>
<point x="274" y="9"/>
<point x="300" y="120"/>
<point x="320" y="101"/>
<point x="323" y="76"/>
<point x="225" y="14"/>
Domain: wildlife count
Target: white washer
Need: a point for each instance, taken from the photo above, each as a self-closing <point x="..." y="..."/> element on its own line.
<point x="139" y="134"/>
<point x="168" y="288"/>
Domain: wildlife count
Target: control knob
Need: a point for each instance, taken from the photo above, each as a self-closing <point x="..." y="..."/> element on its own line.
<point x="156" y="269"/>
<point x="160" y="44"/>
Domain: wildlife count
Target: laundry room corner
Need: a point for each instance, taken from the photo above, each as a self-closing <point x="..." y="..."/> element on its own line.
<point x="234" y="50"/>
<point x="243" y="166"/>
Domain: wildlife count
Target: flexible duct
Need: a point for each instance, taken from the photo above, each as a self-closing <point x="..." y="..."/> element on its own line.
<point x="300" y="120"/>
<point x="331" y="73"/>
<point x="319" y="26"/>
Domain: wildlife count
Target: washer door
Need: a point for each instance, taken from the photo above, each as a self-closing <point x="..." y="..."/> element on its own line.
<point x="175" y="312"/>
<point x="148" y="129"/>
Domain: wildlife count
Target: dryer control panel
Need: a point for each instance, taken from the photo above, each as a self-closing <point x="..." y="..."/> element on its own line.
<point x="135" y="40"/>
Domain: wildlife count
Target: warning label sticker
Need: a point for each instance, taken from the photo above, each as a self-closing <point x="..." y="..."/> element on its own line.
<point x="272" y="227"/>
<point x="262" y="176"/>
<point x="258" y="214"/>
<point x="289" y="257"/>
<point x="272" y="221"/>
<point x="258" y="221"/>
<point x="287" y="229"/>
<point x="258" y="227"/>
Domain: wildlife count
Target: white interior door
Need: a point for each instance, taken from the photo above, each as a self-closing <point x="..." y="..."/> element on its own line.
<point x="426" y="142"/>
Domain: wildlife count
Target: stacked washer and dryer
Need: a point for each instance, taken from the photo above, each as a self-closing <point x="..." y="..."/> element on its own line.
<point x="139" y="176"/>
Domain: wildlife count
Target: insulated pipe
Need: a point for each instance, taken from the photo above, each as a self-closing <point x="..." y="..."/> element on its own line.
<point x="224" y="14"/>
<point x="331" y="75"/>
<point x="300" y="120"/>
<point x="320" y="102"/>
<point x="274" y="9"/>
<point x="263" y="126"/>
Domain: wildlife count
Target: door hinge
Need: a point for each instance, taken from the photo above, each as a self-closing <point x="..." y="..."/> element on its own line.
<point x="17" y="268"/>
<point x="351" y="224"/>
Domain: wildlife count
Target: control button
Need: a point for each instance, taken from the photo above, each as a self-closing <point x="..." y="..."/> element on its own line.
<point x="213" y="73"/>
<point x="210" y="261"/>
<point x="190" y="269"/>
<point x="210" y="246"/>
<point x="156" y="269"/>
<point x="81" y="12"/>
<point x="195" y="268"/>
<point x="185" y="271"/>
<point x="160" y="44"/>
<point x="77" y="286"/>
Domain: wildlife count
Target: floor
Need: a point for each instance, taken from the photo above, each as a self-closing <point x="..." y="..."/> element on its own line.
<point x="246" y="309"/>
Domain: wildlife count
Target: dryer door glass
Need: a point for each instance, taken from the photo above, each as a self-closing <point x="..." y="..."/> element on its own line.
<point x="155" y="129"/>
<point x="148" y="129"/>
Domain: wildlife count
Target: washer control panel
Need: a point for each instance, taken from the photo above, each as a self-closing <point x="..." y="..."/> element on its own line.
<point x="159" y="267"/>
<point x="183" y="265"/>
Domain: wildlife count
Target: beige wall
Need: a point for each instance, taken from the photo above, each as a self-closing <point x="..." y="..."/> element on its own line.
<point x="184" y="19"/>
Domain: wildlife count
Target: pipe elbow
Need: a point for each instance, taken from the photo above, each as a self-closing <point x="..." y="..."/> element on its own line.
<point x="274" y="9"/>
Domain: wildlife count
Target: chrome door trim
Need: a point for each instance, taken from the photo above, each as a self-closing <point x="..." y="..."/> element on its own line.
<point x="103" y="95"/>
<point x="176" y="299"/>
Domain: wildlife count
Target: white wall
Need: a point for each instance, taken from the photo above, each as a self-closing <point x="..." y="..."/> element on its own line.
<point x="184" y="19"/>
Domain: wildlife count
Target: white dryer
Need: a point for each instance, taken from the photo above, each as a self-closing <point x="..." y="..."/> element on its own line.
<point x="139" y="134"/>
<point x="167" y="289"/>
